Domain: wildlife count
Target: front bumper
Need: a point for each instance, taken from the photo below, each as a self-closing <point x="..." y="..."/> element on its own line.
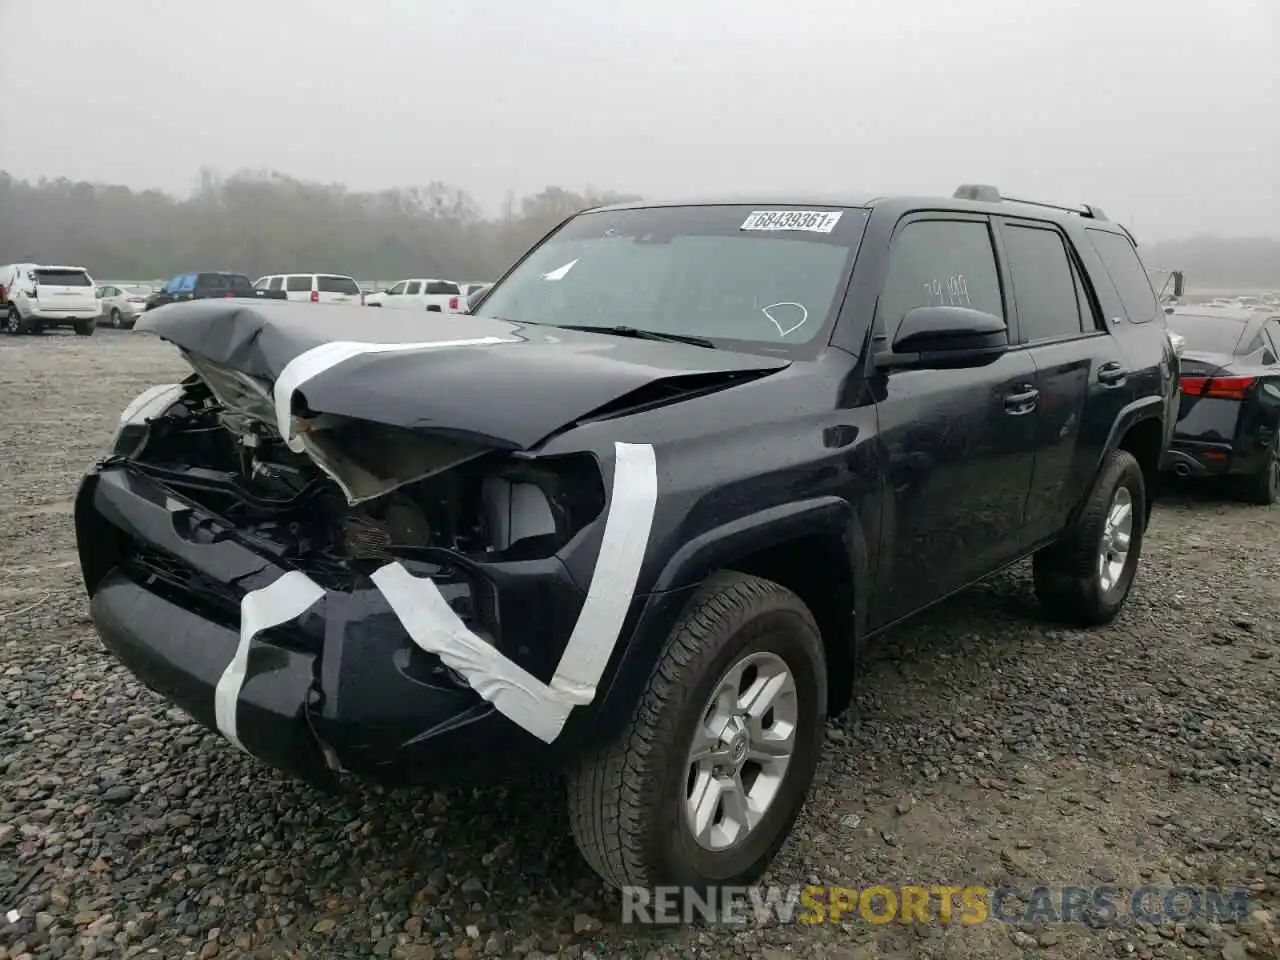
<point x="341" y="689"/>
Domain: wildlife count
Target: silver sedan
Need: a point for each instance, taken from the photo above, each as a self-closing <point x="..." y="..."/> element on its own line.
<point x="122" y="304"/>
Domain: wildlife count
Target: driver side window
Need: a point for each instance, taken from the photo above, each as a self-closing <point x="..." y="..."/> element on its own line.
<point x="397" y="290"/>
<point x="939" y="263"/>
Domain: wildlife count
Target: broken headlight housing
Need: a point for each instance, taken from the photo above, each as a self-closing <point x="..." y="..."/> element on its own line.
<point x="131" y="433"/>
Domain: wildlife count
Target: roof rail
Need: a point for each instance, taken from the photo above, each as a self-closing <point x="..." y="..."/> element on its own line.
<point x="985" y="193"/>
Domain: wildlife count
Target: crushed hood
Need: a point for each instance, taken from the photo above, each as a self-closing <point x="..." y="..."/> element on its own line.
<point x="469" y="379"/>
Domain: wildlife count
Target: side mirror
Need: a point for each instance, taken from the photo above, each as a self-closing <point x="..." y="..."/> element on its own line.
<point x="945" y="337"/>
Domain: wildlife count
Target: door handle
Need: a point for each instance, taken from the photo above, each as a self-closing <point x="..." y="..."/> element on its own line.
<point x="1112" y="374"/>
<point x="1021" y="402"/>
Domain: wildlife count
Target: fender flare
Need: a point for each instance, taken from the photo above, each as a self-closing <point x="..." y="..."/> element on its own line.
<point x="1130" y="415"/>
<point x="716" y="549"/>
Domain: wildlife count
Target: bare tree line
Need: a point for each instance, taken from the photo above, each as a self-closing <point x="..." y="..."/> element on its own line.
<point x="261" y="222"/>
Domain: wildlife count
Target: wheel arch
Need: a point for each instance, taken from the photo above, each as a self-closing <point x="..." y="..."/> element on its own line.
<point x="815" y="548"/>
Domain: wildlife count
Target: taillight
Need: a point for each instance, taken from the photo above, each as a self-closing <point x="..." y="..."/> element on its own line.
<point x="1221" y="388"/>
<point x="228" y="296"/>
<point x="453" y="303"/>
<point x="315" y="296"/>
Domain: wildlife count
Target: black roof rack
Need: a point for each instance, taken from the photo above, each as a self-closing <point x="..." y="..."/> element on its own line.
<point x="985" y="193"/>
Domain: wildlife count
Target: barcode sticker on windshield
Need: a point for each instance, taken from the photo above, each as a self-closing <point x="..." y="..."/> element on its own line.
<point x="810" y="221"/>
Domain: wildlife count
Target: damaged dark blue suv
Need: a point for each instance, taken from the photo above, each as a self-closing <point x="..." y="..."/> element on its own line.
<point x="634" y="517"/>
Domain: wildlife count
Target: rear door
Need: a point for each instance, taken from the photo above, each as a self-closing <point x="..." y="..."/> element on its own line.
<point x="298" y="286"/>
<point x="65" y="291"/>
<point x="337" y="289"/>
<point x="1080" y="392"/>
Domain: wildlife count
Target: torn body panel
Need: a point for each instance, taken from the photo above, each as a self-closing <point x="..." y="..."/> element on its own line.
<point x="477" y="381"/>
<point x="310" y="676"/>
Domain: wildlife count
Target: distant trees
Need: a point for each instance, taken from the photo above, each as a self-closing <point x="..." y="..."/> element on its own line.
<point x="263" y="222"/>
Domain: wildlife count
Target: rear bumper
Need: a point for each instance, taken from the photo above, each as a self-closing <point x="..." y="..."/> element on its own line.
<point x="342" y="688"/>
<point x="58" y="318"/>
<point x="1194" y="459"/>
<point x="1215" y="458"/>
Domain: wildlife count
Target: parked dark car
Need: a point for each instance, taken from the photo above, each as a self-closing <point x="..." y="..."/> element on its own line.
<point x="635" y="517"/>
<point x="1228" y="422"/>
<point x="208" y="285"/>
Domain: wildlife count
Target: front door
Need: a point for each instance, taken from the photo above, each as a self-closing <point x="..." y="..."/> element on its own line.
<point x="958" y="444"/>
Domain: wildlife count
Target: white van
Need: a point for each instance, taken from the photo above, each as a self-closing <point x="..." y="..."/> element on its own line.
<point x="35" y="298"/>
<point x="316" y="287"/>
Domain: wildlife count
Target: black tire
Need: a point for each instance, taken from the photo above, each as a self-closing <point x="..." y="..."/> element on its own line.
<point x="13" y="325"/>
<point x="627" y="799"/>
<point x="85" y="328"/>
<point x="1067" y="577"/>
<point x="1263" y="488"/>
<point x="116" y="320"/>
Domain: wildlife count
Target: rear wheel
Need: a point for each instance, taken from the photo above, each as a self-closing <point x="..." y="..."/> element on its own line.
<point x="702" y="787"/>
<point x="12" y="320"/>
<point x="84" y="328"/>
<point x="1263" y="487"/>
<point x="1085" y="578"/>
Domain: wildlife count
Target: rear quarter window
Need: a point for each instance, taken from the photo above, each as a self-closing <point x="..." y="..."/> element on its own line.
<point x="338" y="285"/>
<point x="1128" y="276"/>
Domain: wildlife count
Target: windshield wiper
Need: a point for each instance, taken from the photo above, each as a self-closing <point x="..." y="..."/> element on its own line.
<point x="637" y="334"/>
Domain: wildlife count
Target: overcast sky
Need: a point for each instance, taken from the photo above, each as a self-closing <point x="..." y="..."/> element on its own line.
<point x="1163" y="112"/>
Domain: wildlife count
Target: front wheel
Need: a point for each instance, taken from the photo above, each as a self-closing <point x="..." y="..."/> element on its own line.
<point x="1085" y="578"/>
<point x="116" y="320"/>
<point x="702" y="787"/>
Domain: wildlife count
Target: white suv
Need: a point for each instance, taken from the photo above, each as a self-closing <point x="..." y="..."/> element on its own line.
<point x="35" y="298"/>
<point x="316" y="287"/>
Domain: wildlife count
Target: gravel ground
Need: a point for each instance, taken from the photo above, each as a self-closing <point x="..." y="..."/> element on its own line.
<point x="984" y="748"/>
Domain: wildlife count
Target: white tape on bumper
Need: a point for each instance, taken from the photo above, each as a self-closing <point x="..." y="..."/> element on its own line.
<point x="317" y="360"/>
<point x="538" y="707"/>
<point x="286" y="598"/>
<point x="432" y="625"/>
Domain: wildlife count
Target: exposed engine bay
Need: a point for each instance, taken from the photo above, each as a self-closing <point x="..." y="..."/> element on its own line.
<point x="346" y="491"/>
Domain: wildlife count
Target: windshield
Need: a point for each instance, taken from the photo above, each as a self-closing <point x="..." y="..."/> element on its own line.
<point x="765" y="277"/>
<point x="1207" y="334"/>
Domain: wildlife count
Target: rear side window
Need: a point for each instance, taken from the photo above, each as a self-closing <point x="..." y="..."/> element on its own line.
<point x="1044" y="284"/>
<point x="338" y="285"/>
<point x="212" y="281"/>
<point x="277" y="283"/>
<point x="442" y="287"/>
<point x="412" y="287"/>
<point x="299" y="284"/>
<point x="940" y="263"/>
<point x="1127" y="275"/>
<point x="63" y="278"/>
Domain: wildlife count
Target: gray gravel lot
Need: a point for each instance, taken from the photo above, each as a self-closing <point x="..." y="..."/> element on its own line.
<point x="985" y="747"/>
